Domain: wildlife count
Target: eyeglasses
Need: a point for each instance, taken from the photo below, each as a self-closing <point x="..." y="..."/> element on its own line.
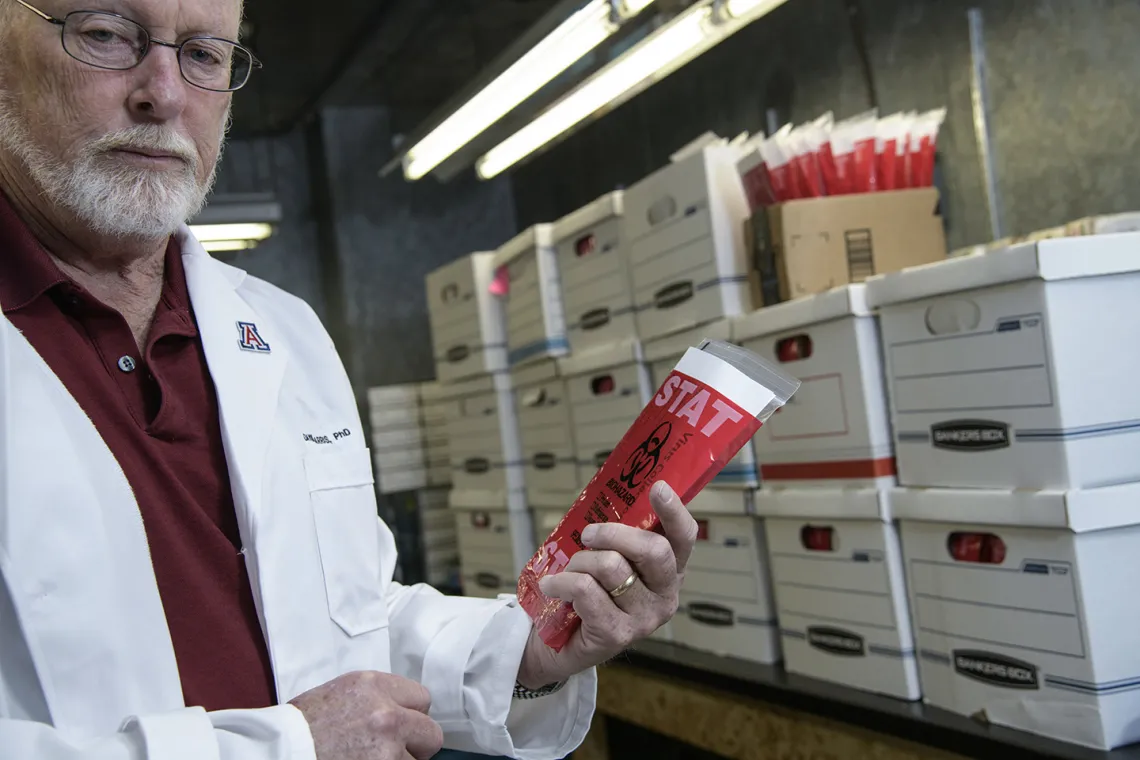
<point x="109" y="41"/>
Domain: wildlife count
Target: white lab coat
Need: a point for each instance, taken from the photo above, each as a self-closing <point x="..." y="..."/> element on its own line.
<point x="87" y="669"/>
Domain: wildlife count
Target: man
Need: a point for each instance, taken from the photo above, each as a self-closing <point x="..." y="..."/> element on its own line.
<point x="184" y="573"/>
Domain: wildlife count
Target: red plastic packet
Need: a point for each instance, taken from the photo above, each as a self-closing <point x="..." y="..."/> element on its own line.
<point x="754" y="176"/>
<point x="706" y="410"/>
<point x="890" y="147"/>
<point x="781" y="175"/>
<point x="923" y="146"/>
<point x="853" y="145"/>
<point x="806" y="143"/>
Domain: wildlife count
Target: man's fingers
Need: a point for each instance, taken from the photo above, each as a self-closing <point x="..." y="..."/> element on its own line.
<point x="423" y="736"/>
<point x="680" y="527"/>
<point x="650" y="554"/>
<point x="405" y="692"/>
<point x="592" y="603"/>
<point x="611" y="570"/>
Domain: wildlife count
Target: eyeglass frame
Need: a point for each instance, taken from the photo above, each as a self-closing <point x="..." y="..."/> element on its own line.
<point x="150" y="40"/>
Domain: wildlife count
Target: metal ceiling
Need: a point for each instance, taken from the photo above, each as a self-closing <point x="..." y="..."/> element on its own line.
<point x="410" y="55"/>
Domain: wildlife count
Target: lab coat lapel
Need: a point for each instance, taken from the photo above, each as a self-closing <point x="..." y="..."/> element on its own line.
<point x="74" y="554"/>
<point x="247" y="363"/>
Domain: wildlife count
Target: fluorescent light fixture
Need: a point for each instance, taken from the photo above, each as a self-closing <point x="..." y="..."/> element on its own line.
<point x="216" y="246"/>
<point x="212" y="233"/>
<point x="669" y="48"/>
<point x="559" y="50"/>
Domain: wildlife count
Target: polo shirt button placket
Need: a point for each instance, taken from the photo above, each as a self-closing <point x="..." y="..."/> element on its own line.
<point x="127" y="364"/>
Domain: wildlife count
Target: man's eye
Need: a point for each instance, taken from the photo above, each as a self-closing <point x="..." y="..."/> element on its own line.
<point x="102" y="36"/>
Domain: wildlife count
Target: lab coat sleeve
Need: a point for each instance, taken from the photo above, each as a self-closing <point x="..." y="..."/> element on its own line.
<point x="467" y="652"/>
<point x="275" y="733"/>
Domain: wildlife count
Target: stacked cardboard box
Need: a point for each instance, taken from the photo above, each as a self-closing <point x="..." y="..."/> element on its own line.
<point x="827" y="465"/>
<point x="476" y="403"/>
<point x="1016" y="429"/>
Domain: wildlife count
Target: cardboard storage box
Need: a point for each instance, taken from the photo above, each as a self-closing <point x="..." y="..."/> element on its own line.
<point x="840" y="589"/>
<point x="688" y="260"/>
<point x="483" y="441"/>
<point x="818" y="244"/>
<point x="438" y="538"/>
<point x="434" y="412"/>
<point x="835" y="432"/>
<point x="467" y="323"/>
<point x="593" y="266"/>
<point x="608" y="389"/>
<point x="663" y="354"/>
<point x="493" y="548"/>
<point x="726" y="600"/>
<point x="398" y="451"/>
<point x="1024" y="607"/>
<point x="551" y="470"/>
<point x="527" y="267"/>
<point x="1016" y="368"/>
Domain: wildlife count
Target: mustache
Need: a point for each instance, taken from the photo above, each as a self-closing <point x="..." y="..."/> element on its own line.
<point x="147" y="138"/>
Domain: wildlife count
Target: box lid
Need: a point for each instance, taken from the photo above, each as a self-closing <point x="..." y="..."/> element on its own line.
<point x="602" y="357"/>
<point x="393" y="395"/>
<point x="538" y="236"/>
<point x="721" y="501"/>
<point x="431" y="392"/>
<point x="469" y="387"/>
<point x="1078" y="511"/>
<point x="476" y="500"/>
<point x="606" y="207"/>
<point x="532" y="374"/>
<point x="1055" y="259"/>
<point x="672" y="346"/>
<point x="825" y="503"/>
<point x="846" y="301"/>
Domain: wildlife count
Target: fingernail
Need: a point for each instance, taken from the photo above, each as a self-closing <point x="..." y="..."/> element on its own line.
<point x="544" y="586"/>
<point x="660" y="490"/>
<point x="589" y="533"/>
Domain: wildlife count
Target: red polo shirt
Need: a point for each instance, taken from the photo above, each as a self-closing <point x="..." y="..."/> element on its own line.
<point x="158" y="413"/>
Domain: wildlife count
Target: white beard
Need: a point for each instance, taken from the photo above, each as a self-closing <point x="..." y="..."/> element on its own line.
<point x="113" y="198"/>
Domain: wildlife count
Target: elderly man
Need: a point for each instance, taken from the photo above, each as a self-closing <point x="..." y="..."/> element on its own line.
<point x="192" y="566"/>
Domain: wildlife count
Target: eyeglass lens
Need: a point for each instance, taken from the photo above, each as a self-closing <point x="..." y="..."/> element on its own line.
<point x="112" y="42"/>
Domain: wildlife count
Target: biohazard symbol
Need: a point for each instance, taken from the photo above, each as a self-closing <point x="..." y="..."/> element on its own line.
<point x="644" y="458"/>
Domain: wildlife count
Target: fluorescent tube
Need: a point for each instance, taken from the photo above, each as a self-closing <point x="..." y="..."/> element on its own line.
<point x="559" y="50"/>
<point x="215" y="246"/>
<point x="654" y="57"/>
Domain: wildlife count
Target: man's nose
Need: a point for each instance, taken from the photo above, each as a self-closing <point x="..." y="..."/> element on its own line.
<point x="160" y="92"/>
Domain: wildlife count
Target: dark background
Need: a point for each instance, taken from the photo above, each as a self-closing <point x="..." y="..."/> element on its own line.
<point x="343" y="82"/>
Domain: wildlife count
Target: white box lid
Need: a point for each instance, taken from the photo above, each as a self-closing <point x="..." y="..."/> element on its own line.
<point x="1077" y="511"/>
<point x="602" y="357"/>
<point x="846" y="301"/>
<point x="392" y="395"/>
<point x="673" y="346"/>
<point x="1056" y="259"/>
<point x="721" y="501"/>
<point x="532" y="374"/>
<point x="608" y="206"/>
<point x="470" y="387"/>
<point x="825" y="503"/>
<point x="538" y="236"/>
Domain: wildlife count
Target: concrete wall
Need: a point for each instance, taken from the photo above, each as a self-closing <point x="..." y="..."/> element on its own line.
<point x="1060" y="74"/>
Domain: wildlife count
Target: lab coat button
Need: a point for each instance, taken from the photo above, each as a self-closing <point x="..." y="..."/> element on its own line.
<point x="126" y="364"/>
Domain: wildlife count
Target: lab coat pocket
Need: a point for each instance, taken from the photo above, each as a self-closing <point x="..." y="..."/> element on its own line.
<point x="344" y="511"/>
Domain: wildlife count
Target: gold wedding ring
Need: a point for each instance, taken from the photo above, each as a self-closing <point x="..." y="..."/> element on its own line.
<point x="625" y="586"/>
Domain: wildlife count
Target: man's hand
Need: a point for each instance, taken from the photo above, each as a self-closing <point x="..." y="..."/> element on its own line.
<point x="610" y="624"/>
<point x="370" y="716"/>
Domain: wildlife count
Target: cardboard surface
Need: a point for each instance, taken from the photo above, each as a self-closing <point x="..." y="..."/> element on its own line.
<point x="493" y="547"/>
<point x="821" y="243"/>
<point x="535" y="316"/>
<point x="683" y="226"/>
<point x="1024" y="384"/>
<point x="1041" y="638"/>
<point x="1054" y="259"/>
<point x="594" y="271"/>
<point x="483" y="440"/>
<point x="467" y="322"/>
<point x="726" y="602"/>
<point x="835" y="431"/>
<point x="843" y="610"/>
<point x="864" y="504"/>
<point x="548" y="455"/>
